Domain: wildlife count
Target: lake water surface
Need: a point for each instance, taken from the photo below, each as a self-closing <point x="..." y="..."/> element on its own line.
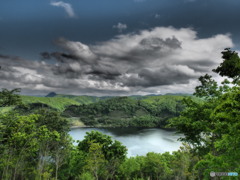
<point x="138" y="141"/>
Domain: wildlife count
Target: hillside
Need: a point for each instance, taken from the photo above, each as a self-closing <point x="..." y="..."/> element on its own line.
<point x="58" y="103"/>
<point x="147" y="111"/>
<point x="107" y="111"/>
<point x="80" y="99"/>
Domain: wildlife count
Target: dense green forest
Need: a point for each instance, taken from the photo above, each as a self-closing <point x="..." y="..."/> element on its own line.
<point x="36" y="144"/>
<point x="131" y="111"/>
<point x="128" y="112"/>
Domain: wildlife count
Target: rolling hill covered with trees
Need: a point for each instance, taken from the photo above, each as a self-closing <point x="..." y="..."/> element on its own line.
<point x="131" y="111"/>
<point x="107" y="111"/>
<point x="150" y="111"/>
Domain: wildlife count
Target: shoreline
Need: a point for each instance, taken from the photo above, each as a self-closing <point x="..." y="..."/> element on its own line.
<point x="84" y="126"/>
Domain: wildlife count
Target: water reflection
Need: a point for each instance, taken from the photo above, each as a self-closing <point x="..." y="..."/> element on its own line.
<point x="138" y="141"/>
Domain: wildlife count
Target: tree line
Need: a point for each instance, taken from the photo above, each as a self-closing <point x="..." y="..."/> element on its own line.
<point x="128" y="112"/>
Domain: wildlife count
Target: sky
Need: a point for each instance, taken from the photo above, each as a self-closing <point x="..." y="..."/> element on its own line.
<point x="113" y="47"/>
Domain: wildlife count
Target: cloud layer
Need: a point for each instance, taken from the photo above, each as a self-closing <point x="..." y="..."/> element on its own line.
<point x="159" y="60"/>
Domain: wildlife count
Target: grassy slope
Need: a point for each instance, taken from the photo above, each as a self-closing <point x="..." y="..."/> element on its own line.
<point x="80" y="99"/>
<point x="60" y="101"/>
<point x="56" y="102"/>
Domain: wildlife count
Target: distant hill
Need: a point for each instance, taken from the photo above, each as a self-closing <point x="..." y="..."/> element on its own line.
<point x="51" y="94"/>
<point x="80" y="99"/>
<point x="58" y="103"/>
<point x="62" y="101"/>
<point x="178" y="94"/>
<point x="132" y="111"/>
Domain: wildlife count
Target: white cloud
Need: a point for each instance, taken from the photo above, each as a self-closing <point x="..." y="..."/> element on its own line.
<point x="163" y="59"/>
<point x="67" y="7"/>
<point x="120" y="27"/>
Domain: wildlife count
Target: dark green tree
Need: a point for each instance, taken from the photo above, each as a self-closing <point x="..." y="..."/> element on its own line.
<point x="211" y="126"/>
<point x="230" y="66"/>
<point x="10" y="97"/>
<point x="114" y="152"/>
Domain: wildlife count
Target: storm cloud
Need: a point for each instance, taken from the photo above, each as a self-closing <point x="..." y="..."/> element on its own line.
<point x="155" y="60"/>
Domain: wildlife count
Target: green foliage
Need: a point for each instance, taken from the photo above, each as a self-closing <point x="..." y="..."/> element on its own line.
<point x="31" y="146"/>
<point x="81" y="99"/>
<point x="208" y="88"/>
<point x="212" y="127"/>
<point x="52" y="120"/>
<point x="152" y="111"/>
<point x="143" y="111"/>
<point x="6" y="109"/>
<point x="58" y="103"/>
<point x="26" y="109"/>
<point x="9" y="97"/>
<point x="230" y="66"/>
<point x="103" y="154"/>
<point x="111" y="149"/>
<point x="95" y="160"/>
<point x="159" y="166"/>
<point x="86" y="176"/>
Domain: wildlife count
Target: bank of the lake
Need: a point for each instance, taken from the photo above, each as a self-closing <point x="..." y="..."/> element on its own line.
<point x="139" y="141"/>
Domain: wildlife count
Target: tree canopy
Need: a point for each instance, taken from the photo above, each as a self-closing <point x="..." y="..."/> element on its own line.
<point x="212" y="127"/>
<point x="9" y="97"/>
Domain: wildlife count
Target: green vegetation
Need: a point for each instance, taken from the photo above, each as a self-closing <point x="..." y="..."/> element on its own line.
<point x="9" y="98"/>
<point x="81" y="99"/>
<point x="166" y="166"/>
<point x="37" y="145"/>
<point x="6" y="109"/>
<point x="32" y="146"/>
<point x="212" y="127"/>
<point x="133" y="111"/>
<point x="58" y="103"/>
<point x="150" y="111"/>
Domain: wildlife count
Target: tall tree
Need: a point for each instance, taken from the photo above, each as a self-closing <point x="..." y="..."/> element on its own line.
<point x="212" y="126"/>
<point x="114" y="152"/>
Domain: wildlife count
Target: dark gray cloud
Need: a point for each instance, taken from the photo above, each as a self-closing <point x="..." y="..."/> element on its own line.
<point x="162" y="58"/>
<point x="156" y="43"/>
<point x="166" y="75"/>
<point x="105" y="71"/>
<point x="61" y="57"/>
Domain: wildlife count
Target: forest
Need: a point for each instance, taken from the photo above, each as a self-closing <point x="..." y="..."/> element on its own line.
<point x="128" y="112"/>
<point x="107" y="111"/>
<point x="35" y="144"/>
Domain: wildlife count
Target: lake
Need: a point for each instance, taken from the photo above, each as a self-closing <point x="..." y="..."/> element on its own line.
<point x="138" y="141"/>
